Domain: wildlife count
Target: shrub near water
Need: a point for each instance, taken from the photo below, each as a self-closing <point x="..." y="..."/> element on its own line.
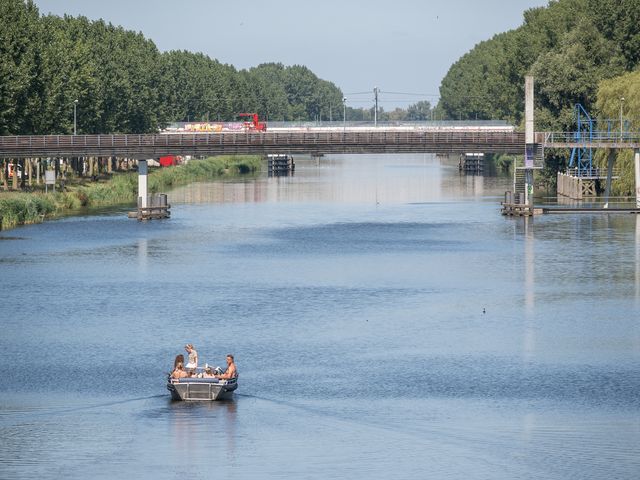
<point x="202" y="169"/>
<point x="25" y="208"/>
<point x="123" y="188"/>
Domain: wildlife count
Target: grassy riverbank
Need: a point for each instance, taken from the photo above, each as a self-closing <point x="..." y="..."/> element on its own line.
<point x="19" y="208"/>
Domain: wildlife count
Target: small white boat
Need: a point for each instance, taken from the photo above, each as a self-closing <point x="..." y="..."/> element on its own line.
<point x="194" y="388"/>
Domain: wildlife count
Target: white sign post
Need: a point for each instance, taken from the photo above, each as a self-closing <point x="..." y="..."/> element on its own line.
<point x="142" y="183"/>
<point x="49" y="179"/>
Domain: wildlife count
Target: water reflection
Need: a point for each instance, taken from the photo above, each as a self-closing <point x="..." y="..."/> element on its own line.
<point x="204" y="426"/>
<point x="143" y="254"/>
<point x="528" y="348"/>
<point x="542" y="385"/>
<point x="374" y="179"/>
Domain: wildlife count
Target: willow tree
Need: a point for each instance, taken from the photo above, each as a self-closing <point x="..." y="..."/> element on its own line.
<point x="619" y="103"/>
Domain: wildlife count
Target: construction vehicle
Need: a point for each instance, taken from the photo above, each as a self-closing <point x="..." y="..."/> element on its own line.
<point x="253" y="123"/>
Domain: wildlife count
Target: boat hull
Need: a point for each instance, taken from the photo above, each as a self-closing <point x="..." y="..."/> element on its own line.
<point x="200" y="390"/>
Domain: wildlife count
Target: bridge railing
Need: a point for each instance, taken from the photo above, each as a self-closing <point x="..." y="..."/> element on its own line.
<point x="593" y="172"/>
<point x="331" y="141"/>
<point x="595" y="137"/>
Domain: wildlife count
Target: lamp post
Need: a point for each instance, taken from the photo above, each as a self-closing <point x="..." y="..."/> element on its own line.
<point x="621" y="124"/>
<point x="75" y="104"/>
<point x="344" y="112"/>
<point x="375" y="113"/>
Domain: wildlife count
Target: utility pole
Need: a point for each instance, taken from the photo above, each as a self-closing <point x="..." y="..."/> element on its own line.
<point x="344" y="112"/>
<point x="375" y="113"/>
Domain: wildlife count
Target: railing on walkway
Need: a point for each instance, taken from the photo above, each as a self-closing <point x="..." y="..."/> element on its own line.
<point x="333" y="141"/>
<point x="597" y="139"/>
<point x="592" y="173"/>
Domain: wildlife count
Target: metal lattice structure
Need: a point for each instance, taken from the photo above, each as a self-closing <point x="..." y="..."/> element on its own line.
<point x="582" y="156"/>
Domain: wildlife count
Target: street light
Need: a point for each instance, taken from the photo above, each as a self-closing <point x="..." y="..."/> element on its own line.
<point x="75" y="104"/>
<point x="375" y="113"/>
<point x="621" y="124"/>
<point x="344" y="112"/>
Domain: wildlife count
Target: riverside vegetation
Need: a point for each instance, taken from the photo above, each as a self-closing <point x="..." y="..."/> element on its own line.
<point x="19" y="208"/>
<point x="124" y="84"/>
<point x="579" y="51"/>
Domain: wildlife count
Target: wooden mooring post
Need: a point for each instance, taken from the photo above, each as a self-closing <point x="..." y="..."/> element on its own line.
<point x="280" y="165"/>
<point x="155" y="207"/>
<point x="515" y="205"/>
<point x="575" y="187"/>
<point x="471" y="163"/>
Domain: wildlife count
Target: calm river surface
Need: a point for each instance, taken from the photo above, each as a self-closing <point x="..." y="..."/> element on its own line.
<point x="386" y="320"/>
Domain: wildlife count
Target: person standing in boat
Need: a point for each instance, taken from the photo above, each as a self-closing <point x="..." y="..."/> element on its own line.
<point x="231" y="372"/>
<point x="193" y="357"/>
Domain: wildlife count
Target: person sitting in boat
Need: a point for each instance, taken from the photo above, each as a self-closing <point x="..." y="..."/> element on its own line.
<point x="208" y="373"/>
<point x="179" y="359"/>
<point x="179" y="371"/>
<point x="231" y="372"/>
<point x="193" y="357"/>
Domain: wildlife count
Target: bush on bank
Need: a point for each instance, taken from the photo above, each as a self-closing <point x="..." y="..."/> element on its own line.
<point x="25" y="208"/>
<point x="18" y="208"/>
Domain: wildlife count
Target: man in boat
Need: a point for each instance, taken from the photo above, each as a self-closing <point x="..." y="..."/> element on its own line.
<point x="231" y="372"/>
<point x="178" y="371"/>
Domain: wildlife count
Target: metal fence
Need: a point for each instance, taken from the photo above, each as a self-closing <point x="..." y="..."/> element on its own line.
<point x="595" y="137"/>
<point x="328" y="141"/>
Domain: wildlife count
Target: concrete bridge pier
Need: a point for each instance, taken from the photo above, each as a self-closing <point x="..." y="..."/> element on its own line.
<point x="529" y="135"/>
<point x="637" y="169"/>
<point x="143" y="193"/>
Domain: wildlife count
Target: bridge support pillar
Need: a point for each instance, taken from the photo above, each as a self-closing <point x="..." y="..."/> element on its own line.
<point x="529" y="135"/>
<point x="143" y="194"/>
<point x="637" y="168"/>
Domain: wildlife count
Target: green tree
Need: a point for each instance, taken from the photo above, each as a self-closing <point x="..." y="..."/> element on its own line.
<point x="610" y="107"/>
<point x="18" y="64"/>
<point x="419" y="111"/>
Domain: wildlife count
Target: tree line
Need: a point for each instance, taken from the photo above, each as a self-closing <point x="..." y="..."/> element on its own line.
<point x="579" y="51"/>
<point x="570" y="47"/>
<point x="123" y="83"/>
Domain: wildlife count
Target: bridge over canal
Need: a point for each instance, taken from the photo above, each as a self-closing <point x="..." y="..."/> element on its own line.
<point x="319" y="140"/>
<point x="448" y="139"/>
<point x="290" y="141"/>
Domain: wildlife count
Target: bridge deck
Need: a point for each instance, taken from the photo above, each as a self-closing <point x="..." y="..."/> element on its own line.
<point x="334" y="141"/>
<point x="314" y="141"/>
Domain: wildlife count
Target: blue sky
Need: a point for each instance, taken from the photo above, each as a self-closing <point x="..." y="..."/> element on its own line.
<point x="403" y="46"/>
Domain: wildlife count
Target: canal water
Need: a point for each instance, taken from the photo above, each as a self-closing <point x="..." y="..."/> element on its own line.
<point x="386" y="320"/>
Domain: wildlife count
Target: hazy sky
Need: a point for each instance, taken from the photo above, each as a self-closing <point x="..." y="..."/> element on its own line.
<point x="399" y="46"/>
